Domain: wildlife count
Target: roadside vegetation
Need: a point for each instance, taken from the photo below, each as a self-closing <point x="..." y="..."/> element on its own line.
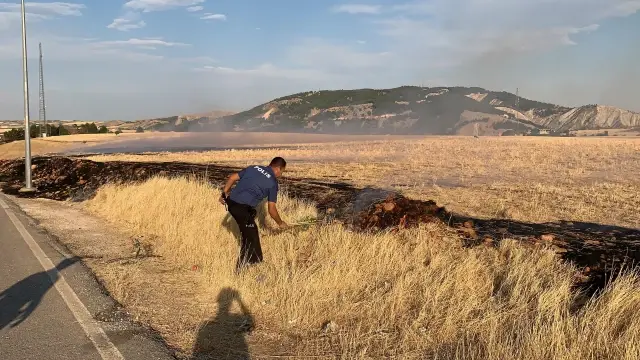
<point x="324" y="291"/>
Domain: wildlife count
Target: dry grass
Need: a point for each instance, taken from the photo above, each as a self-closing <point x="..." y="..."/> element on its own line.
<point x="413" y="295"/>
<point x="417" y="294"/>
<point x="216" y="140"/>
<point x="100" y="138"/>
<point x="57" y="144"/>
<point x="52" y="145"/>
<point x="462" y="158"/>
<point x="612" y="132"/>
<point x="14" y="150"/>
<point x="130" y="139"/>
<point x="520" y="178"/>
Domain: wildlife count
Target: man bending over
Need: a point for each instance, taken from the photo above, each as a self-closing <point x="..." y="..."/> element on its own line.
<point x="254" y="184"/>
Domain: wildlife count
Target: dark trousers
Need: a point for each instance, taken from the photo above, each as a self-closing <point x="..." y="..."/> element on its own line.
<point x="250" y="249"/>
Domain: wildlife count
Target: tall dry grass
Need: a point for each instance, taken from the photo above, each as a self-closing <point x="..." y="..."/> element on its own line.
<point x="530" y="179"/>
<point x="443" y="158"/>
<point x="413" y="295"/>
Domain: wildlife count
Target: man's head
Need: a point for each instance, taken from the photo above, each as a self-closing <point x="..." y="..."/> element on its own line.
<point x="278" y="165"/>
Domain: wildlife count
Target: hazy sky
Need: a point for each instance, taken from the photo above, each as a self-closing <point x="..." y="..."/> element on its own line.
<point x="110" y="59"/>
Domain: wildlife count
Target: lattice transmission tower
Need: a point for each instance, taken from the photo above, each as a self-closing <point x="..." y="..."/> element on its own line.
<point x="43" y="106"/>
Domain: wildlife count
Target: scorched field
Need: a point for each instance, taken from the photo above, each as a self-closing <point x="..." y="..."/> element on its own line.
<point x="435" y="248"/>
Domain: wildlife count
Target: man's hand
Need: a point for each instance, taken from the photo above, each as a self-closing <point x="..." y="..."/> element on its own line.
<point x="227" y="187"/>
<point x="273" y="212"/>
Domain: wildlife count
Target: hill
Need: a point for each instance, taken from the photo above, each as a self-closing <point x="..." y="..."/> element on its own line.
<point x="189" y="122"/>
<point x="415" y="110"/>
<point x="171" y="123"/>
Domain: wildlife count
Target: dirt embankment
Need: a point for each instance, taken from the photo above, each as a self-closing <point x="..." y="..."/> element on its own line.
<point x="599" y="249"/>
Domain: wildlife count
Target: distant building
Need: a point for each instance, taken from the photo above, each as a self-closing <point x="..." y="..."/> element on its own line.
<point x="545" y="131"/>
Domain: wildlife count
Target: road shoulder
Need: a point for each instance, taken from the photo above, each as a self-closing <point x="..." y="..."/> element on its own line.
<point x="134" y="340"/>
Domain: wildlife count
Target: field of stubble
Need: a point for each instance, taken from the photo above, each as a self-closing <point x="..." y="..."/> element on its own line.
<point x="524" y="178"/>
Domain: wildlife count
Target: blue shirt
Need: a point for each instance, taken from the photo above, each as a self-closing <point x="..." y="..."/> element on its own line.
<point x="255" y="184"/>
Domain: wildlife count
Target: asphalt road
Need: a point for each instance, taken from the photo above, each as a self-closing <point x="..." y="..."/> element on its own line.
<point x="50" y="303"/>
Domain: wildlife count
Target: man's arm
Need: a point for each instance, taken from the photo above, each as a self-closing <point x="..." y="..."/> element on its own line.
<point x="273" y="212"/>
<point x="272" y="198"/>
<point x="230" y="181"/>
<point x="227" y="187"/>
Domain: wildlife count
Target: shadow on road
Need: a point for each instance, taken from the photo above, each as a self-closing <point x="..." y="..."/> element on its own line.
<point x="22" y="298"/>
<point x="223" y="337"/>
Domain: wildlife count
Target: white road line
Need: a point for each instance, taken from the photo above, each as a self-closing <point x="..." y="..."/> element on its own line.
<point x="105" y="347"/>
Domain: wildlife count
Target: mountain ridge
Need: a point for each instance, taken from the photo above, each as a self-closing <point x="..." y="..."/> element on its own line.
<point x="401" y="110"/>
<point x="416" y="110"/>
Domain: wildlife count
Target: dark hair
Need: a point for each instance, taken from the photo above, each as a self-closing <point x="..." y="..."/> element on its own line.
<point x="278" y="162"/>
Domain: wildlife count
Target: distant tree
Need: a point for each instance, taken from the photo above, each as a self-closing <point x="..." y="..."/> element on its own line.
<point x="62" y="130"/>
<point x="118" y="132"/>
<point x="92" y="128"/>
<point x="53" y="130"/>
<point x="139" y="129"/>
<point x="18" y="133"/>
<point x="103" y="130"/>
<point x="34" y="131"/>
<point x="14" y="134"/>
<point x="88" y="128"/>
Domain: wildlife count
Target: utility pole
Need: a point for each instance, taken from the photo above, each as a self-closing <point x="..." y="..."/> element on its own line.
<point x="27" y="130"/>
<point x="43" y="106"/>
